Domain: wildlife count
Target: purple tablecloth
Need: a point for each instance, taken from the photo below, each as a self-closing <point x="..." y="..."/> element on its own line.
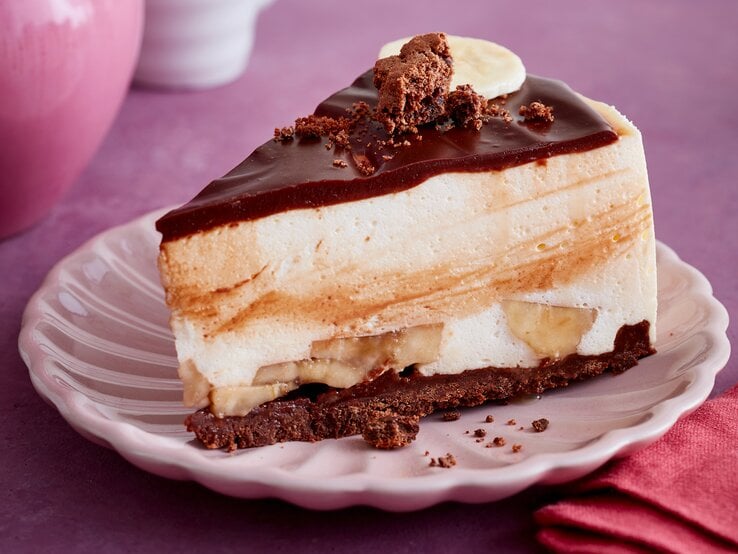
<point x="670" y="66"/>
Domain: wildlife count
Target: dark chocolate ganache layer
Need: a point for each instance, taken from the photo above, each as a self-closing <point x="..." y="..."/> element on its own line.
<point x="301" y="173"/>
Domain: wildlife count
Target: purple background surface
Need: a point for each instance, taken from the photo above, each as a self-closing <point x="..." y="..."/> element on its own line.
<point x="670" y="66"/>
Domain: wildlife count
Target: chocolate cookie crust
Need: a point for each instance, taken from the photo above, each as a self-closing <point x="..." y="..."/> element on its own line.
<point x="343" y="412"/>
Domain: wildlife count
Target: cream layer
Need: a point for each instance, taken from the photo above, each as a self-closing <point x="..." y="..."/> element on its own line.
<point x="575" y="230"/>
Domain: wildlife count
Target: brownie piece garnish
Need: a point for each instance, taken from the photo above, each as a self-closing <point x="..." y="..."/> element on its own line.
<point x="499" y="441"/>
<point x="413" y="85"/>
<point x="339" y="163"/>
<point x="451" y="415"/>
<point x="517" y="447"/>
<point x="540" y="425"/>
<point x="480" y="433"/>
<point x="511" y="422"/>
<point x="391" y="431"/>
<point x="465" y="107"/>
<point x="537" y="111"/>
<point x="489" y="419"/>
<point x="443" y="461"/>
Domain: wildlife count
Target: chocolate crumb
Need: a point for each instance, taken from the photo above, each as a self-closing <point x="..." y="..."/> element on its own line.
<point x="284" y="134"/>
<point x="494" y="110"/>
<point x="315" y="126"/>
<point x="426" y="453"/>
<point x="391" y="431"/>
<point x="489" y="419"/>
<point x="341" y="138"/>
<point x="499" y="441"/>
<point x="447" y="461"/>
<point x="480" y="433"/>
<point x="537" y="111"/>
<point x="465" y="107"/>
<point x="517" y="447"/>
<point x="451" y="415"/>
<point x="363" y="164"/>
<point x="521" y="428"/>
<point x="359" y="110"/>
<point x="413" y="85"/>
<point x="339" y="163"/>
<point x="511" y="422"/>
<point x="540" y="425"/>
<point x="489" y="445"/>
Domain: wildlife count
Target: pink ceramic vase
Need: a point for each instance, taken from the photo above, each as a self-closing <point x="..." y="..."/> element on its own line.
<point x="65" y="66"/>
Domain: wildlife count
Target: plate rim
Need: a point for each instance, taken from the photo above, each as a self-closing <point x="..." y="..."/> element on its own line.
<point x="386" y="492"/>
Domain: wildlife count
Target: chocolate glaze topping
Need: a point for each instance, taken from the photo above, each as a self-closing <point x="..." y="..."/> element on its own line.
<point x="287" y="175"/>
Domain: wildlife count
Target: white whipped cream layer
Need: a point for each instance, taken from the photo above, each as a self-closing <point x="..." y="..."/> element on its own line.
<point x="576" y="231"/>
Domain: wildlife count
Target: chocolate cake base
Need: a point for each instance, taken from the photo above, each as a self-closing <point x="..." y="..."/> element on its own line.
<point x="310" y="415"/>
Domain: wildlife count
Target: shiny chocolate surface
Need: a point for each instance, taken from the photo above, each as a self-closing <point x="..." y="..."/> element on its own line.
<point x="281" y="176"/>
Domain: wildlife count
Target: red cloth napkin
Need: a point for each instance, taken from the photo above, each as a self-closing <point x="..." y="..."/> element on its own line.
<point x="678" y="495"/>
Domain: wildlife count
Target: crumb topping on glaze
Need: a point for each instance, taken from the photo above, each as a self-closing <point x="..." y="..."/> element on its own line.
<point x="537" y="111"/>
<point x="466" y="108"/>
<point x="412" y="92"/>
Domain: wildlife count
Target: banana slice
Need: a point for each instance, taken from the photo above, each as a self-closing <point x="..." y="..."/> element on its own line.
<point x="489" y="68"/>
<point x="551" y="331"/>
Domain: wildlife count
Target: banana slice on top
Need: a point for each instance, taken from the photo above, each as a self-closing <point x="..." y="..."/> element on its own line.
<point x="489" y="68"/>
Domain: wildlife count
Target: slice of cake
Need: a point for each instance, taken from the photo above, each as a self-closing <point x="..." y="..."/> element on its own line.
<point x="446" y="231"/>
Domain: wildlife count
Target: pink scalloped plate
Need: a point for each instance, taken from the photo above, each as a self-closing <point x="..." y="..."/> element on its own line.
<point x="98" y="347"/>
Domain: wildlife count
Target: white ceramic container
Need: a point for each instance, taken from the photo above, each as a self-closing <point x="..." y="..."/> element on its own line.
<point x="194" y="44"/>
